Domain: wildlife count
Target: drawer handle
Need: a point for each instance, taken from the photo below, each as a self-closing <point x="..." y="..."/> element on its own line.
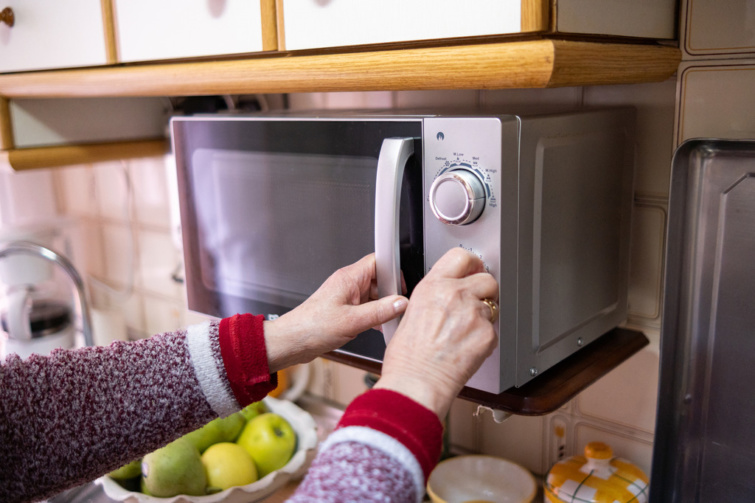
<point x="7" y="17"/>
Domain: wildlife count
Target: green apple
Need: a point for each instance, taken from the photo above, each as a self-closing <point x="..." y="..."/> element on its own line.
<point x="127" y="471"/>
<point x="221" y="429"/>
<point x="270" y="441"/>
<point x="253" y="410"/>
<point x="174" y="469"/>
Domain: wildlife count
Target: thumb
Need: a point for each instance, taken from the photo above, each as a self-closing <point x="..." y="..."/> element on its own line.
<point x="376" y="312"/>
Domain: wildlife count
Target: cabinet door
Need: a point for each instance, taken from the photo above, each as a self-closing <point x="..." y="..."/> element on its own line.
<point x="173" y="29"/>
<point x="49" y="35"/>
<point x="310" y="24"/>
<point x="629" y="18"/>
<point x="713" y="28"/>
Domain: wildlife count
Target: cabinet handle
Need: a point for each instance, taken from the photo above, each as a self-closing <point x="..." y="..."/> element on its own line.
<point x="7" y="16"/>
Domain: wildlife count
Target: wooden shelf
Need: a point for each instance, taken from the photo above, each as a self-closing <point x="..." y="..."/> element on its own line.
<point x="553" y="388"/>
<point x="538" y="63"/>
<point x="21" y="159"/>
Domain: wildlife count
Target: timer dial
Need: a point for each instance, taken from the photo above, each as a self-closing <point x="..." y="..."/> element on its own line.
<point x="457" y="197"/>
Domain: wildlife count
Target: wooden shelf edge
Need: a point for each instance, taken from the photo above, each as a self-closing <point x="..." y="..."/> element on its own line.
<point x="22" y="159"/>
<point x="501" y="65"/>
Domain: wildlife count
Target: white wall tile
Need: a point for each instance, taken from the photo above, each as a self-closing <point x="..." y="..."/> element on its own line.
<point x="76" y="191"/>
<point x="463" y="425"/>
<point x="626" y="396"/>
<point x="436" y="99"/>
<point x="85" y="240"/>
<point x="161" y="315"/>
<point x="715" y="100"/>
<point x="158" y="259"/>
<point x="532" y="100"/>
<point x="150" y="186"/>
<point x="646" y="275"/>
<point x="112" y="181"/>
<point x="348" y="383"/>
<point x="519" y="438"/>
<point x="307" y="101"/>
<point x="120" y="254"/>
<point x="655" y="124"/>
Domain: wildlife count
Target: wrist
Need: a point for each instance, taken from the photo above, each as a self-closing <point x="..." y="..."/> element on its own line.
<point x="432" y="396"/>
<point x="285" y="343"/>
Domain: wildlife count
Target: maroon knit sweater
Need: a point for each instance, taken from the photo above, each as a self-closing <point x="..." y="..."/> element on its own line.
<point x="75" y="415"/>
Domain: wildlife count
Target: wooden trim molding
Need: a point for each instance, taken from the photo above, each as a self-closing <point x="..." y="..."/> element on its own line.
<point x="269" y="25"/>
<point x="498" y="65"/>
<point x="108" y="22"/>
<point x="280" y="25"/>
<point x="22" y="159"/>
<point x="535" y="15"/>
<point x="6" y="126"/>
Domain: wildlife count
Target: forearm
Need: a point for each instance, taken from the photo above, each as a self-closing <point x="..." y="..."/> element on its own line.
<point x="78" y="414"/>
<point x="70" y="417"/>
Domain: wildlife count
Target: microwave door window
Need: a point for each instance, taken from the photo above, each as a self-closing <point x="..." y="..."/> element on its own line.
<point x="272" y="227"/>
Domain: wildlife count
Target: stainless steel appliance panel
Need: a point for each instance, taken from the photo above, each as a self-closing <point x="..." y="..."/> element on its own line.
<point x="705" y="443"/>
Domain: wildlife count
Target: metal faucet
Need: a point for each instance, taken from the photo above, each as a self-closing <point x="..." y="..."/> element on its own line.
<point x="29" y="248"/>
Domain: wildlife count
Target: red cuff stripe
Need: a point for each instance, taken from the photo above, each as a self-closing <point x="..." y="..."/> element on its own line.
<point x="400" y="417"/>
<point x="242" y="347"/>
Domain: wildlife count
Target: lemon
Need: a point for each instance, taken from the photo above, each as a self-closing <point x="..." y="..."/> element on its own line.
<point x="227" y="465"/>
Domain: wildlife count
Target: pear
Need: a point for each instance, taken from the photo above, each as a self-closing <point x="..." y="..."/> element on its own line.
<point x="174" y="469"/>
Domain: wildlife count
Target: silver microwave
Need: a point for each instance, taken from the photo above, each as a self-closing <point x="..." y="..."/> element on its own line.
<point x="271" y="205"/>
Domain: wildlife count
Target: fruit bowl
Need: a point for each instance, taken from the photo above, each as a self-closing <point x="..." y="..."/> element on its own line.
<point x="306" y="432"/>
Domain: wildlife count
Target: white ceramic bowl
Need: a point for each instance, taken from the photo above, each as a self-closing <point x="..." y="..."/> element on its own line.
<point x="478" y="478"/>
<point x="306" y="431"/>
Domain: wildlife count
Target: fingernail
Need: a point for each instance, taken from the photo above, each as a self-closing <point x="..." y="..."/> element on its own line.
<point x="400" y="304"/>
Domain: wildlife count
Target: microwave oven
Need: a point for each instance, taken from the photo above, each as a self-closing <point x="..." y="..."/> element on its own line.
<point x="271" y="205"/>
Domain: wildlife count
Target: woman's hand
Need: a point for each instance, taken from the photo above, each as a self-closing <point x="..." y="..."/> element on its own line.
<point x="343" y="307"/>
<point x="445" y="334"/>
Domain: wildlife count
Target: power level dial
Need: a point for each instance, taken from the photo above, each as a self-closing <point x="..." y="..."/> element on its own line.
<point x="457" y="197"/>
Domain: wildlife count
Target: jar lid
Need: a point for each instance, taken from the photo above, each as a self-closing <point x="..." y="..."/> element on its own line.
<point x="46" y="317"/>
<point x="597" y="477"/>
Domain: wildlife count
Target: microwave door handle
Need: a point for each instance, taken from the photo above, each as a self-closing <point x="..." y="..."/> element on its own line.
<point x="394" y="154"/>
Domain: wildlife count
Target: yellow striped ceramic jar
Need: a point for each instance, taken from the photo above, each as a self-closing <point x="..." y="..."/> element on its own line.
<point x="596" y="477"/>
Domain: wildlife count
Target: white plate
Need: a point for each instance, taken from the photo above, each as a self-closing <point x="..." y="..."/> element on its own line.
<point x="306" y="431"/>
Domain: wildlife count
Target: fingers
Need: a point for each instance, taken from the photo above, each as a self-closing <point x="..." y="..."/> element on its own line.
<point x="377" y="312"/>
<point x="457" y="263"/>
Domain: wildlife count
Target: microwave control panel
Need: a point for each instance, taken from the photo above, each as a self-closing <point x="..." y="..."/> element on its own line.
<point x="462" y="187"/>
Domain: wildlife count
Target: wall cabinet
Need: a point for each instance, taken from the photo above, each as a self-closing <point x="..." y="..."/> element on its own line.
<point x="310" y="24"/>
<point x="98" y="49"/>
<point x="174" y="29"/>
<point x="48" y="35"/>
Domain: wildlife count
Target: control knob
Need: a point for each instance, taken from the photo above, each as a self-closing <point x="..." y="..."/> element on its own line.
<point x="457" y="197"/>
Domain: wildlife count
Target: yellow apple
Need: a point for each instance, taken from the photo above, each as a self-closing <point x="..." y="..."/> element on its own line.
<point x="270" y="441"/>
<point x="228" y="465"/>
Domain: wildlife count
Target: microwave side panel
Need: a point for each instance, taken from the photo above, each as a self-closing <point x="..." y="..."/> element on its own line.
<point x="576" y="187"/>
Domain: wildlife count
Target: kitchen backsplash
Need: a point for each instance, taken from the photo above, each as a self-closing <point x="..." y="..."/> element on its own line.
<point x="125" y="242"/>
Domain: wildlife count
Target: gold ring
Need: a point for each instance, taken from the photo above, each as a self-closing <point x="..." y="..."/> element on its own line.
<point x="493" y="309"/>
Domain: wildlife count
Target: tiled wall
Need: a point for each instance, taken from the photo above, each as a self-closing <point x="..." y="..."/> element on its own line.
<point x="124" y="239"/>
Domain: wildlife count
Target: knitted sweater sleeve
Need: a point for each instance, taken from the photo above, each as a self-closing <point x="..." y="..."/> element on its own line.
<point x="74" y="415"/>
<point x="383" y="450"/>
